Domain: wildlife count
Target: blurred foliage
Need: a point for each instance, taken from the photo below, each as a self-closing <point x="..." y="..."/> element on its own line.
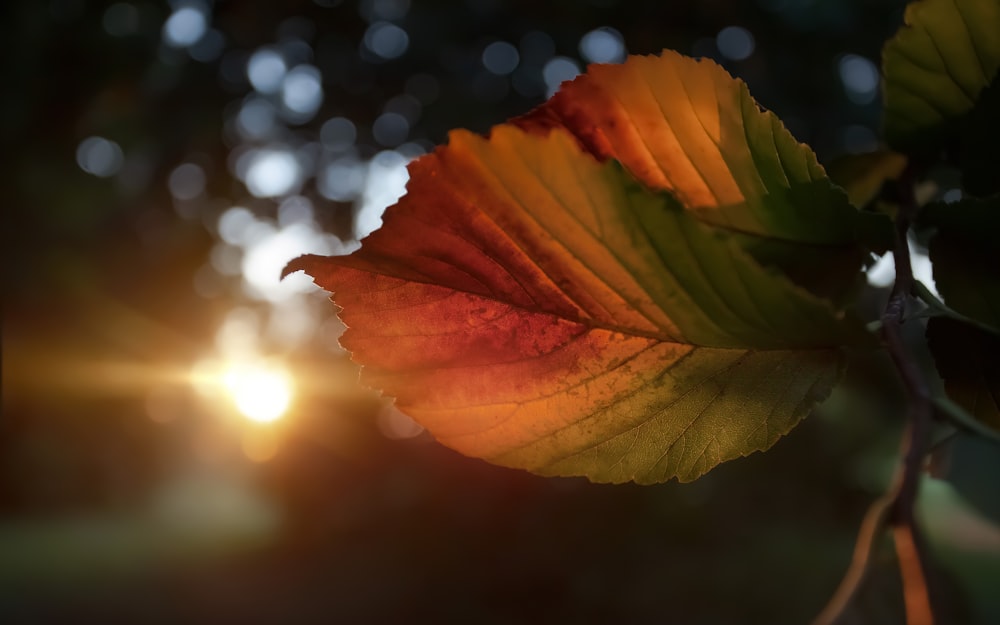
<point x="108" y="514"/>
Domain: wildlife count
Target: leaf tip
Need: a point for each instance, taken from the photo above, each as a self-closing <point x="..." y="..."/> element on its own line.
<point x="303" y="263"/>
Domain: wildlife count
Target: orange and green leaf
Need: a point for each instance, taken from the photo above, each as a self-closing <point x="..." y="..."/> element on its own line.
<point x="538" y="308"/>
<point x="688" y="127"/>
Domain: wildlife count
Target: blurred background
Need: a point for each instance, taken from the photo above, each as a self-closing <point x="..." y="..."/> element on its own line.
<point x="182" y="438"/>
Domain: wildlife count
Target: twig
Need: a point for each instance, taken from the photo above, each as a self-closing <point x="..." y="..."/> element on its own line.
<point x="910" y="550"/>
<point x="868" y="534"/>
<point x="896" y="507"/>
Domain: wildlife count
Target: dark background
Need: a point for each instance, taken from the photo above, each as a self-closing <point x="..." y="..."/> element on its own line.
<point x="125" y="496"/>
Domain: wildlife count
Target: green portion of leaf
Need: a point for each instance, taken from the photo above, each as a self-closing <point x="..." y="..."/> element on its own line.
<point x="862" y="175"/>
<point x="935" y="67"/>
<point x="740" y="303"/>
<point x="806" y="226"/>
<point x="980" y="144"/>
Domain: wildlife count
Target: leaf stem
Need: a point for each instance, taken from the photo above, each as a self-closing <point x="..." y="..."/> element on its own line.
<point x="871" y="528"/>
<point x="896" y="507"/>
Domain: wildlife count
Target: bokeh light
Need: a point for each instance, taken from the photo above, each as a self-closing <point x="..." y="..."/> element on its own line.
<point x="387" y="41"/>
<point x="186" y="181"/>
<point x="603" y="45"/>
<point x="185" y="26"/>
<point x="272" y="172"/>
<point x="860" y="78"/>
<point x="99" y="156"/>
<point x="266" y="70"/>
<point x="501" y="58"/>
<point x="735" y="43"/>
<point x="558" y="70"/>
<point x="302" y="92"/>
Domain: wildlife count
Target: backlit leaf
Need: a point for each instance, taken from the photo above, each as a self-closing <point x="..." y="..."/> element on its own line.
<point x="535" y="307"/>
<point x="862" y="175"/>
<point x="935" y="67"/>
<point x="687" y="126"/>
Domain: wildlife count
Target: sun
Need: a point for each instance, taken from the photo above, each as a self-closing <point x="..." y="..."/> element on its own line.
<point x="262" y="392"/>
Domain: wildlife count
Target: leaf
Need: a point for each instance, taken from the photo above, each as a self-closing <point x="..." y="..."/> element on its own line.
<point x="862" y="175"/>
<point x="980" y="137"/>
<point x="539" y="309"/>
<point x="966" y="265"/>
<point x="935" y="67"/>
<point x="968" y="362"/>
<point x="687" y="126"/>
<point x="965" y="256"/>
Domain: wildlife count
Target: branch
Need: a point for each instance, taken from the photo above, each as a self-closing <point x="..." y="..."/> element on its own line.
<point x="896" y="507"/>
<point x="910" y="549"/>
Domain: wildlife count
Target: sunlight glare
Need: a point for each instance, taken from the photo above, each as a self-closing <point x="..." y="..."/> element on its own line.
<point x="261" y="392"/>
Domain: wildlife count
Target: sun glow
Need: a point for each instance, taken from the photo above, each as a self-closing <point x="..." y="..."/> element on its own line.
<point x="262" y="392"/>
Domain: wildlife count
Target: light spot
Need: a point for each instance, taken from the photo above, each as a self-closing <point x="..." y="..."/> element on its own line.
<point x="390" y="129"/>
<point x="226" y="259"/>
<point x="338" y="134"/>
<point x="99" y="156"/>
<point x="385" y="40"/>
<point x="302" y="92"/>
<point x="266" y="70"/>
<point x="951" y="195"/>
<point x="342" y="180"/>
<point x="603" y="45"/>
<point x="273" y="173"/>
<point x="234" y="224"/>
<point x="295" y="209"/>
<point x="557" y="71"/>
<point x="860" y="77"/>
<point x="186" y="181"/>
<point x="264" y="258"/>
<point x="386" y="183"/>
<point x="735" y="43"/>
<point x="257" y="118"/>
<point x="501" y="58"/>
<point x="185" y="27"/>
<point x="883" y="273"/>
